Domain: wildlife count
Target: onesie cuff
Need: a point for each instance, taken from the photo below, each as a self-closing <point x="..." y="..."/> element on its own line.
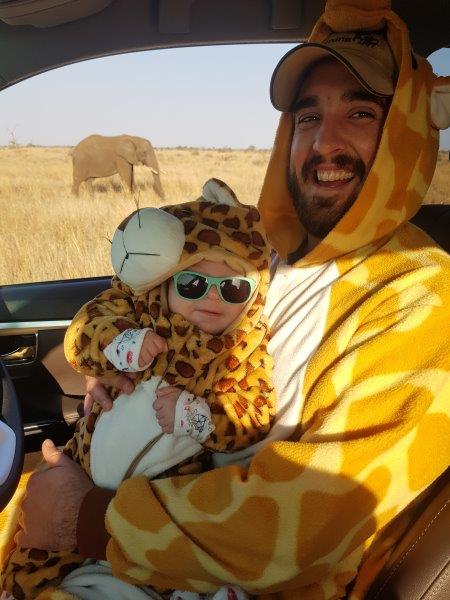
<point x="192" y="418"/>
<point x="123" y="352"/>
<point x="92" y="536"/>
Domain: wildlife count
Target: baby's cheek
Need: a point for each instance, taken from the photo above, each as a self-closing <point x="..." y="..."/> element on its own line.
<point x="232" y="312"/>
<point x="171" y="295"/>
<point x="177" y="304"/>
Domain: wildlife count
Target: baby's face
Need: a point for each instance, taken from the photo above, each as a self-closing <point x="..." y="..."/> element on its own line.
<point x="211" y="314"/>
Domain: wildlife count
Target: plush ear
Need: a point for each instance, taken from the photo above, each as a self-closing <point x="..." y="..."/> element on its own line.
<point x="147" y="245"/>
<point x="440" y="103"/>
<point x="219" y="192"/>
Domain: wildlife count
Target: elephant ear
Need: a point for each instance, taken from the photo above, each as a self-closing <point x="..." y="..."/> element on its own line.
<point x="217" y="191"/>
<point x="127" y="150"/>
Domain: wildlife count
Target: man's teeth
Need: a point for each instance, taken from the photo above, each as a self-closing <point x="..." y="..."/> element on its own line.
<point x="334" y="175"/>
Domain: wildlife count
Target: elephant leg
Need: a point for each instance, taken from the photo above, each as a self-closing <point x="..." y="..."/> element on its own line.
<point x="89" y="185"/>
<point x="77" y="180"/>
<point x="126" y="172"/>
<point x="76" y="187"/>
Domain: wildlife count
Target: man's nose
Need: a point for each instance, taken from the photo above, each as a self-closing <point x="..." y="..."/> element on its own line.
<point x="329" y="138"/>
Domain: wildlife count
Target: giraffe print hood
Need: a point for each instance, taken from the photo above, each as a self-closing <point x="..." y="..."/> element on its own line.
<point x="404" y="165"/>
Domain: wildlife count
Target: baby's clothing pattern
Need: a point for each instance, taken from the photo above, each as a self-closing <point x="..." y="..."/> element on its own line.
<point x="192" y="415"/>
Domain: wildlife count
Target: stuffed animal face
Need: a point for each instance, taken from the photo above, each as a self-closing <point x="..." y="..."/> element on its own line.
<point x="146" y="246"/>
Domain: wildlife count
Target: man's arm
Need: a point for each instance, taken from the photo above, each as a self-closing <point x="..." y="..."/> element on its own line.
<point x="375" y="433"/>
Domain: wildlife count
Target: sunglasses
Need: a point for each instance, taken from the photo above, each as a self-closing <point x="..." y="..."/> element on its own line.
<point x="190" y="285"/>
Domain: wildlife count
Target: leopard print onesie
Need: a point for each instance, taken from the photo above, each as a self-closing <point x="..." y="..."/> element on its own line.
<point x="232" y="370"/>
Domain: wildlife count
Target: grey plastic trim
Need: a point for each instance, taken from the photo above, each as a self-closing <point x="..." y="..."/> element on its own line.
<point x="31" y="326"/>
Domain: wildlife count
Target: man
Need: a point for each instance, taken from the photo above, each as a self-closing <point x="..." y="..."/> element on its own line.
<point x="358" y="311"/>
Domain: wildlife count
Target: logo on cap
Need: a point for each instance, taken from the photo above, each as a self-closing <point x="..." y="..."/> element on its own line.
<point x="364" y="39"/>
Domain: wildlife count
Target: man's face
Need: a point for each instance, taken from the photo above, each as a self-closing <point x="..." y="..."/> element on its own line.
<point x="338" y="125"/>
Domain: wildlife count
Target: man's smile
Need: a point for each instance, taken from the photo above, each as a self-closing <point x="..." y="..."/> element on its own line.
<point x="340" y="174"/>
<point x="329" y="187"/>
<point x="331" y="178"/>
<point x="333" y="175"/>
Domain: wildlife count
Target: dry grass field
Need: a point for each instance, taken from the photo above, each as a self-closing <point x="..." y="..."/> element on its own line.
<point x="48" y="234"/>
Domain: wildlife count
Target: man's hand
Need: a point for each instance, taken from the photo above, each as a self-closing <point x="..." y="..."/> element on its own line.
<point x="96" y="392"/>
<point x="52" y="501"/>
<point x="152" y="345"/>
<point x="164" y="405"/>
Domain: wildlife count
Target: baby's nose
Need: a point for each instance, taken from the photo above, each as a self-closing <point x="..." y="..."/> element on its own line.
<point x="213" y="294"/>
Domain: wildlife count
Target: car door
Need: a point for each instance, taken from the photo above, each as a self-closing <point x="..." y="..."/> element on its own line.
<point x="33" y="321"/>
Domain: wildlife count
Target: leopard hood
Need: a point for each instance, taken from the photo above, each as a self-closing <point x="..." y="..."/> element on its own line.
<point x="152" y="244"/>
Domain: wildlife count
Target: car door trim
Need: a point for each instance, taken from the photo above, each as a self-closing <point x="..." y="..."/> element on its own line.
<point x="31" y="326"/>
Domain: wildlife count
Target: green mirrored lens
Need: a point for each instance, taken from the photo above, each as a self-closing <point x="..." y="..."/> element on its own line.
<point x="191" y="286"/>
<point x="235" y="290"/>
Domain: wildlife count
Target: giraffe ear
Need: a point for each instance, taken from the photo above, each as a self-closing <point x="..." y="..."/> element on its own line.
<point x="219" y="192"/>
<point x="440" y="103"/>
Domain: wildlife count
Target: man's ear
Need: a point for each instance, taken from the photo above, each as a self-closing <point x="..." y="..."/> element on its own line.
<point x="440" y="103"/>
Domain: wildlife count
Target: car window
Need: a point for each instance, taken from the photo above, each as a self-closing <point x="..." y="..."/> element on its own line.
<point x="205" y="110"/>
<point x="439" y="191"/>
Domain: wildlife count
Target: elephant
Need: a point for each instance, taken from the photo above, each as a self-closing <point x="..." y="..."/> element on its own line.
<point x="102" y="156"/>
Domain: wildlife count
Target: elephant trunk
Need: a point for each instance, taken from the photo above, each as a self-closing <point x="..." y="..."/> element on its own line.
<point x="151" y="162"/>
<point x="157" y="184"/>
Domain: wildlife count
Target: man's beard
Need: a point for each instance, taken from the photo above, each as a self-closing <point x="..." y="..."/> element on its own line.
<point x="319" y="214"/>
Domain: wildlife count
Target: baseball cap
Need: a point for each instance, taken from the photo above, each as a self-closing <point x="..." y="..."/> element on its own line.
<point x="366" y="54"/>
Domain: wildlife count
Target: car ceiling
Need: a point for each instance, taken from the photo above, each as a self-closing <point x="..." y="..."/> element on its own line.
<point x="123" y="26"/>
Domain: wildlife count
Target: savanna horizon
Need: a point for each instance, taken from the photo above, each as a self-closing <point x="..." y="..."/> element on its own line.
<point x="50" y="234"/>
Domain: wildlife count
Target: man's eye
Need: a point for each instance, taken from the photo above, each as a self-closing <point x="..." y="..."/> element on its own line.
<point x="305" y="119"/>
<point x="363" y="114"/>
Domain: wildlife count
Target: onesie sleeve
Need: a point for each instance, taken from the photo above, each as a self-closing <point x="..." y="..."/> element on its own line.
<point x="241" y="412"/>
<point x="242" y="399"/>
<point x="95" y="326"/>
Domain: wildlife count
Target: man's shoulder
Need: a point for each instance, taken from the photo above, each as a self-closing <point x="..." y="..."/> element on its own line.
<point x="410" y="260"/>
<point x="411" y="248"/>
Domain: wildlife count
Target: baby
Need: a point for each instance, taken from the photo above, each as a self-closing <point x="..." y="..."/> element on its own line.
<point x="185" y="313"/>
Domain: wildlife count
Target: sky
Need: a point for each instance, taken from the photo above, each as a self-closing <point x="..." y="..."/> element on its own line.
<point x="212" y="96"/>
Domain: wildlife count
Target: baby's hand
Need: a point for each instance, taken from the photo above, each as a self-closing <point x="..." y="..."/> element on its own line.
<point x="164" y="405"/>
<point x="152" y="345"/>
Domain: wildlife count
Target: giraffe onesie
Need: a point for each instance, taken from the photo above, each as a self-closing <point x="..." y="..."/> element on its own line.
<point x="231" y="370"/>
